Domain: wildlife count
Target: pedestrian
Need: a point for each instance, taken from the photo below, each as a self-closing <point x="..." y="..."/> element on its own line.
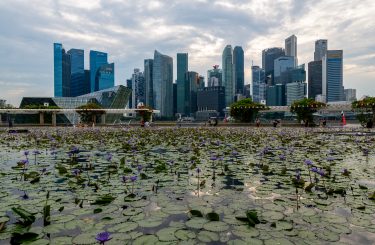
<point x="257" y="122"/>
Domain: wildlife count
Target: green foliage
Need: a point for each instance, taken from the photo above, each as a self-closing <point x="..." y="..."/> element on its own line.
<point x="245" y="110"/>
<point x="366" y="106"/>
<point x="305" y="108"/>
<point x="251" y="218"/>
<point x="27" y="217"/>
<point x="86" y="113"/>
<point x="213" y="216"/>
<point x="104" y="200"/>
<point x="145" y="115"/>
<point x="366" y="103"/>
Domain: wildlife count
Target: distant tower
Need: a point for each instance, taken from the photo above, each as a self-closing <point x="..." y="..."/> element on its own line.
<point x="228" y="78"/>
<point x="321" y="47"/>
<point x="291" y="48"/>
<point x="239" y="74"/>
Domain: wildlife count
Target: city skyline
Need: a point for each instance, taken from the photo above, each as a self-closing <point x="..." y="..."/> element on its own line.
<point x="29" y="29"/>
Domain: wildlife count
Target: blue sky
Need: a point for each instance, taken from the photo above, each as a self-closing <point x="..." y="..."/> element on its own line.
<point x="131" y="30"/>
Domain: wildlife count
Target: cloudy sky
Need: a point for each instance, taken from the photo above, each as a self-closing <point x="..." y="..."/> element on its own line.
<point x="130" y="30"/>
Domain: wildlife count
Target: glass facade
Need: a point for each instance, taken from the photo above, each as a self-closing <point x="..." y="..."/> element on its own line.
<point x="268" y="58"/>
<point x="77" y="74"/>
<point x="148" y="70"/>
<point x="61" y="71"/>
<point x="259" y="84"/>
<point x="215" y="77"/>
<point x="138" y="85"/>
<point x="291" y="48"/>
<point x="315" y="78"/>
<point x="229" y="84"/>
<point x="163" y="84"/>
<point x="282" y="64"/>
<point x="295" y="91"/>
<point x="276" y="95"/>
<point x="211" y="98"/>
<point x="182" y="84"/>
<point x="321" y="47"/>
<point x="97" y="59"/>
<point x="239" y="73"/>
<point x="333" y="76"/>
<point x="105" y="77"/>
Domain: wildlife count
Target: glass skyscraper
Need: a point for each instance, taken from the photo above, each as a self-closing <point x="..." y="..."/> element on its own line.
<point x="105" y="77"/>
<point x="182" y="83"/>
<point x="61" y="71"/>
<point x="321" y="47"/>
<point x="138" y="85"/>
<point x="291" y="48"/>
<point x="259" y="85"/>
<point x="148" y="70"/>
<point x="282" y="64"/>
<point x="215" y="77"/>
<point x="97" y="59"/>
<point x="77" y="74"/>
<point x="315" y="78"/>
<point x="227" y="64"/>
<point x="333" y="76"/>
<point x="239" y="73"/>
<point x="163" y="84"/>
<point x="268" y="58"/>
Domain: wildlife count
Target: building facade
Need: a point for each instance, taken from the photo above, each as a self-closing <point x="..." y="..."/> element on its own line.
<point x="228" y="78"/>
<point x="314" y="79"/>
<point x="97" y="59"/>
<point x="332" y="69"/>
<point x="77" y="72"/>
<point x="163" y="84"/>
<point x="276" y="95"/>
<point x="282" y="64"/>
<point x="268" y="58"/>
<point x="295" y="91"/>
<point x="258" y="84"/>
<point x="62" y="71"/>
<point x="105" y="77"/>
<point x="215" y="77"/>
<point x="350" y="94"/>
<point x="182" y="84"/>
<point x="321" y="47"/>
<point x="239" y="73"/>
<point x="148" y="70"/>
<point x="138" y="88"/>
<point x="211" y="98"/>
<point x="291" y="48"/>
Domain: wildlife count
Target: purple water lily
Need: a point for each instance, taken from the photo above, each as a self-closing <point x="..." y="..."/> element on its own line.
<point x="124" y="178"/>
<point x="314" y="170"/>
<point x="282" y="157"/>
<point x="133" y="178"/>
<point x="213" y="158"/>
<point x="103" y="237"/>
<point x="76" y="172"/>
<point x="26" y="153"/>
<point x="308" y="162"/>
<point x="139" y="168"/>
<point x="198" y="170"/>
<point x="321" y="172"/>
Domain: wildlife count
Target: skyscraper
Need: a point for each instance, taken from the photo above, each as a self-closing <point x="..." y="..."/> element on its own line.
<point x="239" y="73"/>
<point x="282" y="64"/>
<point x="321" y="47"/>
<point x="61" y="71"/>
<point x="291" y="48"/>
<point x="215" y="77"/>
<point x="350" y="94"/>
<point x="105" y="77"/>
<point x="295" y="91"/>
<point x="228" y="78"/>
<point x="259" y="85"/>
<point x="138" y="88"/>
<point x="149" y="65"/>
<point x="182" y="83"/>
<point x="332" y="85"/>
<point x="77" y="74"/>
<point x="268" y="58"/>
<point x="315" y="78"/>
<point x="193" y="80"/>
<point x="97" y="59"/>
<point x="163" y="84"/>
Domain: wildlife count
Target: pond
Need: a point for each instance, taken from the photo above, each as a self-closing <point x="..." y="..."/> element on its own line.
<point x="187" y="186"/>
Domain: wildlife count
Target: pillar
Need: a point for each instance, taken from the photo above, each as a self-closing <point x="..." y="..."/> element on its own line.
<point x="54" y="119"/>
<point x="103" y="119"/>
<point x="41" y="118"/>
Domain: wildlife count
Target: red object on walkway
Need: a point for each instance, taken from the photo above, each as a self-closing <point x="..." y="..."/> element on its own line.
<point x="343" y="119"/>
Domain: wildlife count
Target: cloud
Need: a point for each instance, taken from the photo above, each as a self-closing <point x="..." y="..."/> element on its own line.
<point x="131" y="30"/>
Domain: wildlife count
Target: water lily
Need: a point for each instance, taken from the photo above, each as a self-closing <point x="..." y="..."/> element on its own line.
<point x="103" y="237"/>
<point x="139" y="168"/>
<point x="308" y="162"/>
<point x="26" y="153"/>
<point x="133" y="178"/>
<point x="282" y="157"/>
<point x="76" y="172"/>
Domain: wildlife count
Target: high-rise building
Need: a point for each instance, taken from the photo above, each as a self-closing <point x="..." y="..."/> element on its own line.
<point x="129" y="85"/>
<point x="201" y="83"/>
<point x="182" y="84"/>
<point x="138" y="86"/>
<point x="211" y="98"/>
<point x="239" y="73"/>
<point x="282" y="64"/>
<point x="86" y="85"/>
<point x="276" y="95"/>
<point x="163" y="84"/>
<point x="215" y="77"/>
<point x="259" y="85"/>
<point x="228" y="78"/>
<point x="321" y="47"/>
<point x="295" y="91"/>
<point x="193" y="80"/>
<point x="268" y="58"/>
<point x="350" y="94"/>
<point x="315" y="79"/>
<point x="291" y="48"/>
<point x="97" y="59"/>
<point x="297" y="74"/>
<point x="175" y="98"/>
<point x="105" y="77"/>
<point x="77" y="74"/>
<point x="61" y="71"/>
<point x="148" y="66"/>
<point x="332" y="79"/>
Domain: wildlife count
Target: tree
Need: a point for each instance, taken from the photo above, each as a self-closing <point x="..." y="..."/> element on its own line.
<point x="145" y="114"/>
<point x="245" y="110"/>
<point x="365" y="106"/>
<point x="305" y="108"/>
<point x="89" y="112"/>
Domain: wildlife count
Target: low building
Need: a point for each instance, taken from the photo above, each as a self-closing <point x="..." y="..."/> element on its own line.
<point x="211" y="98"/>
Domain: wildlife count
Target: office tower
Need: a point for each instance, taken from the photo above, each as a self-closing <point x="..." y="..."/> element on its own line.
<point x="291" y="48"/>
<point x="259" y="85"/>
<point x="193" y="80"/>
<point x="86" y="85"/>
<point x="315" y="79"/>
<point x="148" y="70"/>
<point x="332" y="85"/>
<point x="175" y="98"/>
<point x="247" y="91"/>
<point x="61" y="71"/>
<point x="321" y="47"/>
<point x="97" y="59"/>
<point x="297" y="74"/>
<point x="295" y="91"/>
<point x="239" y="73"/>
<point x="201" y="83"/>
<point x="215" y="77"/>
<point x="276" y="95"/>
<point x="350" y="94"/>
<point x="77" y="74"/>
<point x="129" y="85"/>
<point x="2" y="103"/>
<point x="282" y="64"/>
<point x="211" y="98"/>
<point x="105" y="77"/>
<point x="227" y="64"/>
<point x="138" y="88"/>
<point x="268" y="58"/>
<point x="182" y="83"/>
<point x="163" y="84"/>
